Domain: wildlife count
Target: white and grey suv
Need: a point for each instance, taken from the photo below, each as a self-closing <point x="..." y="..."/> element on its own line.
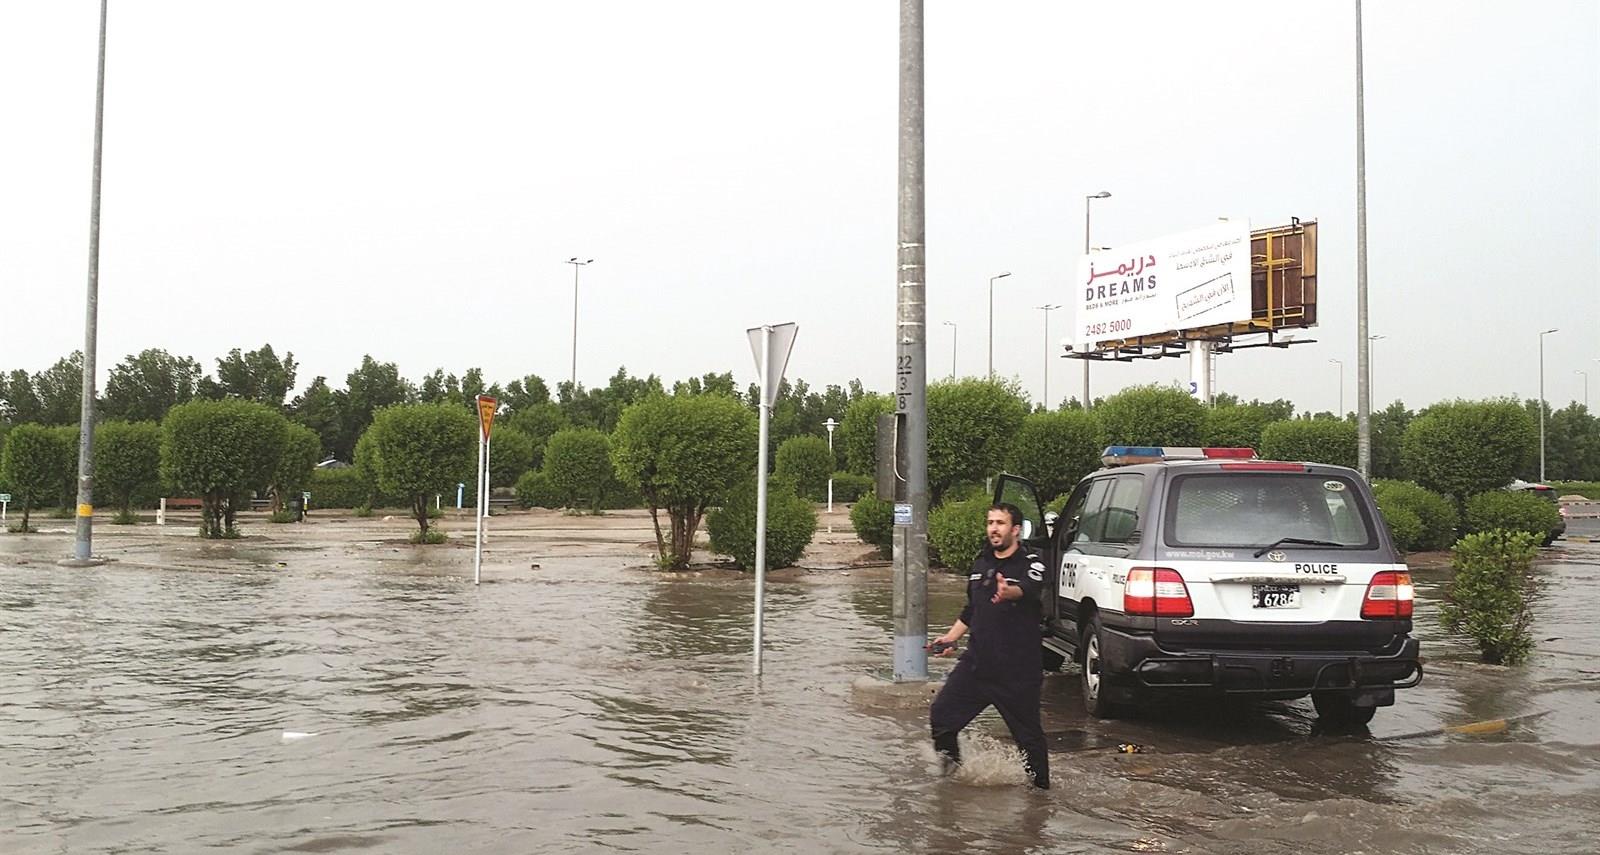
<point x="1209" y="571"/>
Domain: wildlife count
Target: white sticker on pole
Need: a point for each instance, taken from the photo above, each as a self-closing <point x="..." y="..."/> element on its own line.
<point x="1179" y="282"/>
<point x="902" y="513"/>
<point x="782" y="343"/>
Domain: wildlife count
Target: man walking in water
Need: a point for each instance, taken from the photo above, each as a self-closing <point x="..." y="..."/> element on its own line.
<point x="1003" y="666"/>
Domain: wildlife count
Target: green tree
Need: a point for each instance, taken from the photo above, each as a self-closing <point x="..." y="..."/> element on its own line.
<point x="220" y="451"/>
<point x="602" y="408"/>
<point x="1330" y="441"/>
<point x="858" y="431"/>
<point x="1388" y="428"/>
<point x="1490" y="599"/>
<point x="369" y="388"/>
<point x="510" y="455"/>
<point x="527" y="392"/>
<point x="127" y="463"/>
<point x="683" y="453"/>
<point x="578" y="466"/>
<point x="321" y="409"/>
<point x="1572" y="445"/>
<point x="31" y="465"/>
<point x="144" y="386"/>
<point x="707" y="384"/>
<point x="1055" y="450"/>
<point x="302" y="450"/>
<point x="806" y="462"/>
<point x="422" y="449"/>
<point x="971" y="425"/>
<point x="67" y="486"/>
<point x="791" y="523"/>
<point x="1464" y="447"/>
<point x="258" y="376"/>
<point x="22" y="400"/>
<point x="539" y="422"/>
<point x="60" y="391"/>
<point x="1152" y="415"/>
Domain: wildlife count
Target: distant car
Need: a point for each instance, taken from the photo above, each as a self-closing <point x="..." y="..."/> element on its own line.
<point x="1548" y="493"/>
<point x="1183" y="571"/>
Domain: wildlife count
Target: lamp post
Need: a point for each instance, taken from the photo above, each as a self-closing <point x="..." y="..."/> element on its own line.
<point x="1340" y="363"/>
<point x="1103" y="194"/>
<point x="1585" y="387"/>
<point x="1370" y="339"/>
<point x="991" y="320"/>
<point x="576" y="266"/>
<point x="1047" y="309"/>
<point x="1541" y="401"/>
<point x="954" y="331"/>
<point x="830" y="424"/>
<point x="1363" y="341"/>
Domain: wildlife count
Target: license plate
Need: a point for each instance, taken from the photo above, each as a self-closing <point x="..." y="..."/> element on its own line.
<point x="1275" y="596"/>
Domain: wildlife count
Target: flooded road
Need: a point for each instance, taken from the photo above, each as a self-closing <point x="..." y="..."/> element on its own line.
<point x="364" y="700"/>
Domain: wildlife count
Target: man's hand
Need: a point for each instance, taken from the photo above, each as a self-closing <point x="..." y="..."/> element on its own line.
<point x="948" y="645"/>
<point x="1005" y="589"/>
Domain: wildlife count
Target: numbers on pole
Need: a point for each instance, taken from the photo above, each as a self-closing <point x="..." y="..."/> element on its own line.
<point x="903" y="368"/>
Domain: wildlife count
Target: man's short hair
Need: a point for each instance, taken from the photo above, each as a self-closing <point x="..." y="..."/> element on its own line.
<point x="1011" y="510"/>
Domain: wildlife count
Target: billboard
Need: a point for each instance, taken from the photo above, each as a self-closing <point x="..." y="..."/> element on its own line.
<point x="1195" y="279"/>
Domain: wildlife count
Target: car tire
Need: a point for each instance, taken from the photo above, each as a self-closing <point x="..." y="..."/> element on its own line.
<point x="1091" y="678"/>
<point x="1339" y="711"/>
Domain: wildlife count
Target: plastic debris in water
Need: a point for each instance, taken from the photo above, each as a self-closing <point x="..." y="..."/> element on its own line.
<point x="296" y="736"/>
<point x="1129" y="748"/>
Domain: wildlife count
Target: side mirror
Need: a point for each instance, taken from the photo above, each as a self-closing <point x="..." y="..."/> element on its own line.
<point x="1027" y="529"/>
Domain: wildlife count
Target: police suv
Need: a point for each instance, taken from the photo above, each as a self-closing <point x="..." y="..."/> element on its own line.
<point x="1182" y="570"/>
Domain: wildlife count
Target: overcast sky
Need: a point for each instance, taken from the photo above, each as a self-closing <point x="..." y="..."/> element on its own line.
<point x="406" y="179"/>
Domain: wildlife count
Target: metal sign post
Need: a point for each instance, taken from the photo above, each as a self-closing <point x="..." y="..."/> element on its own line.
<point x="486" y="411"/>
<point x="771" y="346"/>
<point x="5" y="499"/>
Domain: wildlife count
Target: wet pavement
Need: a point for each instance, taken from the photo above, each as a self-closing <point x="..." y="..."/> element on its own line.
<point x="366" y="696"/>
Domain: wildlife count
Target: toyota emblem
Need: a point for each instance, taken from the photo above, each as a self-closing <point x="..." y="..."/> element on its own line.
<point x="1277" y="555"/>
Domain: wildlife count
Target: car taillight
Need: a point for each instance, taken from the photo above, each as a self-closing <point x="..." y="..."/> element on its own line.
<point x="1157" y="592"/>
<point x="1389" y="597"/>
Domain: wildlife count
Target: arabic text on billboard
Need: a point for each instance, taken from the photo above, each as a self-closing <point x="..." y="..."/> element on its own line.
<point x="1178" y="282"/>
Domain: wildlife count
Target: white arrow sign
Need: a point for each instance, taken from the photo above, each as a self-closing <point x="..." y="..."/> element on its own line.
<point x="781" y="343"/>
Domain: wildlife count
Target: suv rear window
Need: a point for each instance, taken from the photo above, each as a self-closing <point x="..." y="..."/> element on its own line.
<point x="1255" y="509"/>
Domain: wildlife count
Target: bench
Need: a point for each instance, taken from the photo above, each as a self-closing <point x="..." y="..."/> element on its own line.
<point x="182" y="503"/>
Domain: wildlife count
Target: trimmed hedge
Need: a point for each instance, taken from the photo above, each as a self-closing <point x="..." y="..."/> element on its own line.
<point x="534" y="490"/>
<point x="1436" y="514"/>
<point x="956" y="532"/>
<point x="1508" y="511"/>
<point x="873" y="520"/>
<point x="1406" y="526"/>
<point x="1330" y="441"/>
<point x="849" y="487"/>
<point x="1586" y="489"/>
<point x="791" y="523"/>
<point x="806" y="462"/>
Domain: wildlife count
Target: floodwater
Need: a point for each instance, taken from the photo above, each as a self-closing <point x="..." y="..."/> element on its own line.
<point x="364" y="700"/>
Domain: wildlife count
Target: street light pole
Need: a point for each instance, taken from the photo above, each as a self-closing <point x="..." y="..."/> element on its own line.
<point x="1047" y="309"/>
<point x="991" y="320"/>
<point x="1541" y="402"/>
<point x="1340" y="363"/>
<point x="954" y="331"/>
<point x="576" y="266"/>
<point x="830" y="424"/>
<point x="83" y="534"/>
<point x="1363" y="354"/>
<point x="1103" y="194"/>
<point x="1370" y="382"/>
<point x="1585" y="387"/>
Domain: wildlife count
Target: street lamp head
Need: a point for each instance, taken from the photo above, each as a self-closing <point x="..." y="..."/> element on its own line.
<point x="1337" y="361"/>
<point x="1376" y="337"/>
<point x="949" y="323"/>
<point x="1549" y="331"/>
<point x="1002" y="275"/>
<point x="1103" y="194"/>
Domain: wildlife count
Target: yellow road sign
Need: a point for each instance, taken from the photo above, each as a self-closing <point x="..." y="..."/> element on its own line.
<point x="486" y="408"/>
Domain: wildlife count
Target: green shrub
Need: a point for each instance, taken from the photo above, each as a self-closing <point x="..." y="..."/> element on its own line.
<point x="1055" y="450"/>
<point x="534" y="490"/>
<point x="283" y="516"/>
<point x="1152" y="415"/>
<point x="33" y="461"/>
<point x="1502" y="509"/>
<point x="873" y="520"/>
<point x="431" y="536"/>
<point x="791" y="522"/>
<point x="220" y="451"/>
<point x="418" y="450"/>
<point x="858" y="432"/>
<point x="1330" y="441"/>
<point x="1460" y="448"/>
<point x="956" y="532"/>
<point x="511" y="453"/>
<point x="849" y="487"/>
<point x="1490" y="599"/>
<point x="971" y="427"/>
<point x="338" y="488"/>
<point x="1405" y="525"/>
<point x="1586" y="489"/>
<point x="127" y="463"/>
<point x="362" y="511"/>
<point x="1236" y="426"/>
<point x="577" y="463"/>
<point x="807" y="462"/>
<point x="1435" y="513"/>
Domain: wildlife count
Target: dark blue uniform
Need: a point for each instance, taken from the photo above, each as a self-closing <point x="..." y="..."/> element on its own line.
<point x="1003" y="666"/>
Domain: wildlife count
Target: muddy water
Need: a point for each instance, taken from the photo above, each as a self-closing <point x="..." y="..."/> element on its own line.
<point x="352" y="704"/>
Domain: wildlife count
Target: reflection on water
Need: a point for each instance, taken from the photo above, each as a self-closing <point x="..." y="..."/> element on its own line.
<point x="589" y="706"/>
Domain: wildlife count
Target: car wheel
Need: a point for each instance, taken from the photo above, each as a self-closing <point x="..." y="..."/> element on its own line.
<point x="1338" y="710"/>
<point x="1092" y="678"/>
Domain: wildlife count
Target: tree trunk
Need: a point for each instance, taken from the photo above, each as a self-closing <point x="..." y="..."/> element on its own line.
<point x="655" y="519"/>
<point x="27" y="505"/>
<point x="419" y="507"/>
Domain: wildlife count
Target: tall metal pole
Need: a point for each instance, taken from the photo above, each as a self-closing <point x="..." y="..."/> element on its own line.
<point x="1372" y="365"/>
<point x="84" y="532"/>
<point x="1340" y="363"/>
<point x="1363" y="357"/>
<point x="1585" y="388"/>
<point x="1103" y="194"/>
<point x="576" y="265"/>
<point x="991" y="315"/>
<point x="1047" y="309"/>
<point x="1541" y="402"/>
<point x="910" y="608"/>
<point x="954" y="331"/>
<point x="761" y="493"/>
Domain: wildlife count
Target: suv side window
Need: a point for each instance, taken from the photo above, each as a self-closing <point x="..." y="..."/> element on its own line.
<point x="1122" y="509"/>
<point x="1091" y="522"/>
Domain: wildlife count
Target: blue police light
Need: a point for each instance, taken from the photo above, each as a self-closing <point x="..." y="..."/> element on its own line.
<point x="1127" y="455"/>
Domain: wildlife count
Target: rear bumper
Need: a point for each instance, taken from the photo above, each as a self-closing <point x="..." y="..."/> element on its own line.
<point x="1261" y="672"/>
